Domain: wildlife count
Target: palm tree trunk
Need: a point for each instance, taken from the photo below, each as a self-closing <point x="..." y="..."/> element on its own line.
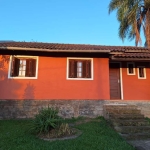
<point x="148" y="28"/>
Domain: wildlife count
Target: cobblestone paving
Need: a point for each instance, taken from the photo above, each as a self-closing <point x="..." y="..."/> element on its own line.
<point x="140" y="144"/>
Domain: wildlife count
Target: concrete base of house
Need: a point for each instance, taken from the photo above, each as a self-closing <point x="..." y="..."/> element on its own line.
<point x="67" y="108"/>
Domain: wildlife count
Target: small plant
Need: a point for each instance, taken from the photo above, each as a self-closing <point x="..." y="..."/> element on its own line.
<point x="46" y="120"/>
<point x="64" y="129"/>
<point x="148" y="119"/>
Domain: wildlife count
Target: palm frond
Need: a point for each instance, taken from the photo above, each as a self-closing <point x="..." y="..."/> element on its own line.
<point x="133" y="15"/>
<point x="115" y="4"/>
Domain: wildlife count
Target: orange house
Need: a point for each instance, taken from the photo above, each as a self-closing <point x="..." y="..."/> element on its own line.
<point x="77" y="79"/>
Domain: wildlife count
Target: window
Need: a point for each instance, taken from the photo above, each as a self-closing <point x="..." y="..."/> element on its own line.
<point x="80" y="69"/>
<point x="141" y="72"/>
<point x="23" y="67"/>
<point x="130" y="69"/>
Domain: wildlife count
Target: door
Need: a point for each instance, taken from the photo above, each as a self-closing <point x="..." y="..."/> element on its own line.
<point x="114" y="78"/>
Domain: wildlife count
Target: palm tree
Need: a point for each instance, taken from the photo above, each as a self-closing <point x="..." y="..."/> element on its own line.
<point x="132" y="16"/>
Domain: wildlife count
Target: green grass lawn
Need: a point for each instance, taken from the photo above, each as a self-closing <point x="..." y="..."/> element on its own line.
<point x="97" y="135"/>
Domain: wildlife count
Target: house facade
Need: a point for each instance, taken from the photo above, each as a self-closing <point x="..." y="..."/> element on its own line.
<point x="76" y="79"/>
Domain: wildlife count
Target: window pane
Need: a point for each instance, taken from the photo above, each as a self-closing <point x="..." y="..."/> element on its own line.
<point x="24" y="67"/>
<point x="141" y="72"/>
<point x="20" y="67"/>
<point x="19" y="73"/>
<point x="79" y="69"/>
<point x="130" y="68"/>
<point x="79" y="75"/>
<point x="23" y="73"/>
<point x="24" y="62"/>
<point x="79" y="64"/>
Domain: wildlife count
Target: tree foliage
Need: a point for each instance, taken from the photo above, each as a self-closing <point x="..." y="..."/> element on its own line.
<point x="133" y="15"/>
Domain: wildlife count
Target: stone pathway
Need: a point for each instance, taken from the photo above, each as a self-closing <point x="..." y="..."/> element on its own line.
<point x="140" y="144"/>
<point x="128" y="121"/>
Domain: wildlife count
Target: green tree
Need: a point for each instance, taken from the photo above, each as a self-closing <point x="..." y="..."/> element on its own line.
<point x="133" y="15"/>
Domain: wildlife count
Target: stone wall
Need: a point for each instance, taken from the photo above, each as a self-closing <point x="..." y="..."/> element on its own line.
<point x="67" y="108"/>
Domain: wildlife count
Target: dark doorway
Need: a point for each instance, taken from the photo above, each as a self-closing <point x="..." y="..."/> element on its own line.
<point x="114" y="78"/>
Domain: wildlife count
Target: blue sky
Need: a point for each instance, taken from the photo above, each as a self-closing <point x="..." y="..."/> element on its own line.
<point x="60" y="21"/>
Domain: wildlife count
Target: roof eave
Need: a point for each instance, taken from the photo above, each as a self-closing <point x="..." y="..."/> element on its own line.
<point x="129" y="59"/>
<point x="114" y="53"/>
<point x="137" y="51"/>
<point x="53" y="50"/>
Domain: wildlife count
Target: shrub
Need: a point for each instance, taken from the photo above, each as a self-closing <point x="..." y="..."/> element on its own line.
<point x="46" y="120"/>
<point x="64" y="129"/>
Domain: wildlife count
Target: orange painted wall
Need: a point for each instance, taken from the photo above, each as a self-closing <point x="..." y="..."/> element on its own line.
<point x="52" y="82"/>
<point x="134" y="88"/>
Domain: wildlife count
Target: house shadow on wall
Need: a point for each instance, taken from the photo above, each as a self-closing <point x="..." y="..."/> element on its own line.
<point x="8" y="87"/>
<point x="29" y="103"/>
<point x="29" y="92"/>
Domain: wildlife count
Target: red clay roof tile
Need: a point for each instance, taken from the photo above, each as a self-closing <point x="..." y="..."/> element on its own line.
<point x="132" y="55"/>
<point x="128" y="51"/>
<point x="71" y="46"/>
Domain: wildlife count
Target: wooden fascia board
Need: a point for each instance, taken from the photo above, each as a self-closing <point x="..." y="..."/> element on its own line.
<point x="53" y="50"/>
<point x="129" y="59"/>
<point x="137" y="51"/>
<point x="113" y="53"/>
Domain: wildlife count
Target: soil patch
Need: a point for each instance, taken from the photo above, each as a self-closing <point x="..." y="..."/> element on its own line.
<point x="74" y="132"/>
<point x="74" y="135"/>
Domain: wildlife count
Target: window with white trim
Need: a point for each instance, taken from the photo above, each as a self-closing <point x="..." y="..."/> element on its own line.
<point x="23" y="67"/>
<point x="79" y="68"/>
<point x="141" y="72"/>
<point x="130" y="68"/>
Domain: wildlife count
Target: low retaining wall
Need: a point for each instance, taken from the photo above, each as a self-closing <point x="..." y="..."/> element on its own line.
<point x="67" y="108"/>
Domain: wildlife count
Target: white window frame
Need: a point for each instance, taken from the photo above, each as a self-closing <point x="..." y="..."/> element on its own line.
<point x="77" y="58"/>
<point x="134" y="73"/>
<point x="144" y="72"/>
<point x="22" y="56"/>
